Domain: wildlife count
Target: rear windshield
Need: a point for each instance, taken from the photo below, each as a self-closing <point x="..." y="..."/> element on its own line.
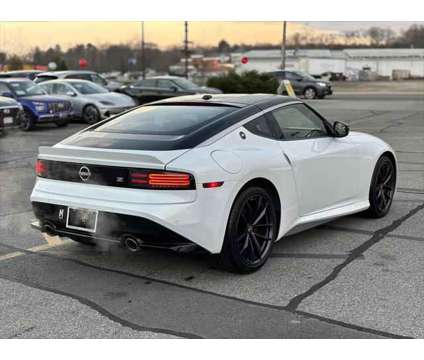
<point x="41" y="78"/>
<point x="164" y="119"/>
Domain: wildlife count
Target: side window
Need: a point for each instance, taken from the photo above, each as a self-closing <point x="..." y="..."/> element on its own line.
<point x="60" y="89"/>
<point x="4" y="88"/>
<point x="298" y="122"/>
<point x="164" y="84"/>
<point x="260" y="126"/>
<point x="79" y="76"/>
<point x="146" y="83"/>
<point x="291" y="76"/>
<point x="98" y="80"/>
<point x="47" y="88"/>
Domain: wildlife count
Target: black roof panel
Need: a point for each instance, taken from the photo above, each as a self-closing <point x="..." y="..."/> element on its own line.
<point x="241" y="100"/>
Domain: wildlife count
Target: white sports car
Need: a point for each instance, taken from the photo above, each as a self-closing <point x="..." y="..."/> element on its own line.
<point x="229" y="173"/>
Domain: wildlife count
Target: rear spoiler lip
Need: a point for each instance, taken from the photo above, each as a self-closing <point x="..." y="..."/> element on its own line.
<point x="95" y="156"/>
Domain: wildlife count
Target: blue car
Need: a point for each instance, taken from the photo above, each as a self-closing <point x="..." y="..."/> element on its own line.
<point x="38" y="107"/>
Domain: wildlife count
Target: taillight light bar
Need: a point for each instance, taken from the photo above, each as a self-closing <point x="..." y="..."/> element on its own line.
<point x="165" y="180"/>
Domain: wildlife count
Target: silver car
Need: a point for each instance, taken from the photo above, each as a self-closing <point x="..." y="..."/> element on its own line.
<point x="90" y="101"/>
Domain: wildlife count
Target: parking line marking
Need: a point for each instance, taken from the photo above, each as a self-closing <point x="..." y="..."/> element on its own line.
<point x="51" y="244"/>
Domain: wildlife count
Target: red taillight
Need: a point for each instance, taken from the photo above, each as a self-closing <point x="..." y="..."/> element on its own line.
<point x="161" y="180"/>
<point x="40" y="168"/>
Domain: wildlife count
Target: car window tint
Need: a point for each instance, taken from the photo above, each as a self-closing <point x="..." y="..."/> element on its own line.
<point x="298" y="122"/>
<point x="4" y="89"/>
<point x="165" y="84"/>
<point x="164" y="120"/>
<point x="98" y="79"/>
<point x="47" y="87"/>
<point x="60" y="89"/>
<point x="42" y="78"/>
<point x="79" y="76"/>
<point x="260" y="126"/>
<point x="146" y="83"/>
<point x="291" y="76"/>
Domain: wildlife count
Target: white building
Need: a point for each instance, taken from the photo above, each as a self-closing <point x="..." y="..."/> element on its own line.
<point x="318" y="61"/>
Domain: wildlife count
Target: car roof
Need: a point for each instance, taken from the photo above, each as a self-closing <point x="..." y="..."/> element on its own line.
<point x="22" y="71"/>
<point x="165" y="77"/>
<point x="263" y="101"/>
<point x="65" y="81"/>
<point x="12" y="79"/>
<point x="65" y="72"/>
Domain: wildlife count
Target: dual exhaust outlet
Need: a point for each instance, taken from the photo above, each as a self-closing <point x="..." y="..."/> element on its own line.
<point x="130" y="242"/>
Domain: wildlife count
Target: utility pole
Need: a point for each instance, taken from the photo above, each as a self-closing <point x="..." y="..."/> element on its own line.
<point x="143" y="54"/>
<point x="186" y="48"/>
<point x="283" y="47"/>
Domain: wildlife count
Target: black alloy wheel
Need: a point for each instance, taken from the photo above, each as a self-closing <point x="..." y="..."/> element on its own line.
<point x="26" y="121"/>
<point x="251" y="231"/>
<point x="382" y="188"/>
<point x="91" y="115"/>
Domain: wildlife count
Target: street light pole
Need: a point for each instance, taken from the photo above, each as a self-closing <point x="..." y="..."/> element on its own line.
<point x="143" y="55"/>
<point x="283" y="47"/>
<point x="186" y="48"/>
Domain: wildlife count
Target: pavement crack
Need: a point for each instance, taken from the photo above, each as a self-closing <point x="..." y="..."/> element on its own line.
<point x="191" y="288"/>
<point x="357" y="252"/>
<point x="101" y="310"/>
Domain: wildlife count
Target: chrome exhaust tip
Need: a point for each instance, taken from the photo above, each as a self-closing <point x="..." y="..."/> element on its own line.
<point x="49" y="228"/>
<point x="132" y="243"/>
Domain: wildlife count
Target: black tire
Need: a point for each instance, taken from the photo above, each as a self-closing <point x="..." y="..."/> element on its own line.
<point x="27" y="121"/>
<point x="310" y="93"/>
<point x="382" y="188"/>
<point x="251" y="231"/>
<point x="61" y="123"/>
<point x="91" y="114"/>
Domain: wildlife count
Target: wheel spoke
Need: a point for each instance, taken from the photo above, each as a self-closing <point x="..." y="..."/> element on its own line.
<point x="261" y="215"/>
<point x="256" y="246"/>
<point x="246" y="243"/>
<point x="262" y="225"/>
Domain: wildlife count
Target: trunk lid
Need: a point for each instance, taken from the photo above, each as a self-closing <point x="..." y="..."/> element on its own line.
<point x="110" y="157"/>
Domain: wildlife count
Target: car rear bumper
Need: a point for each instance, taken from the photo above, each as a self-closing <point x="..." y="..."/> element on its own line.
<point x="112" y="227"/>
<point x="199" y="216"/>
<point x="55" y="117"/>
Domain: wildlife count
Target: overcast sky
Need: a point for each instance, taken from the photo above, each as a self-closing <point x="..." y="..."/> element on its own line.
<point x="21" y="37"/>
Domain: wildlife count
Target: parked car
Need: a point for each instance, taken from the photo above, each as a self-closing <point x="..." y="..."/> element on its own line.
<point x="90" y="101"/>
<point x="304" y="84"/>
<point x="27" y="74"/>
<point x="38" y="107"/>
<point x="10" y="112"/>
<point x="80" y="75"/>
<point x="231" y="174"/>
<point x="333" y="76"/>
<point x="162" y="87"/>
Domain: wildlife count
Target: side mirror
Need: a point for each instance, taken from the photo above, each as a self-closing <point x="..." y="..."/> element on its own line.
<point x="174" y="88"/>
<point x="70" y="93"/>
<point x="8" y="94"/>
<point x="340" y="129"/>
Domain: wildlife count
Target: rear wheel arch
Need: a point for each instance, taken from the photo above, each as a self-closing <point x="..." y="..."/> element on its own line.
<point x="270" y="188"/>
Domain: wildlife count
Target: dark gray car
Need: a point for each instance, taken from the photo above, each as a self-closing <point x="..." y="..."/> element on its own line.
<point x="162" y="87"/>
<point x="10" y="112"/>
<point x="304" y="84"/>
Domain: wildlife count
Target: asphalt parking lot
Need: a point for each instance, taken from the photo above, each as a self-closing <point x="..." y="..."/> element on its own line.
<point x="351" y="278"/>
